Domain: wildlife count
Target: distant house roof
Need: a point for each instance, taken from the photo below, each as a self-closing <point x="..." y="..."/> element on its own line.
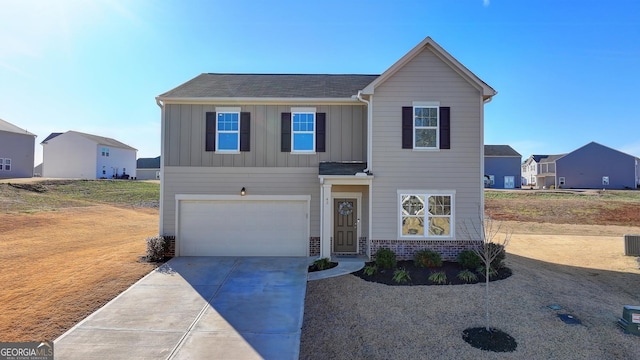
<point x="9" y="127"/>
<point x="537" y="158"/>
<point x="148" y="163"/>
<point x="500" y="150"/>
<point x="51" y="136"/>
<point x="210" y="85"/>
<point x="551" y="158"/>
<point x="341" y="168"/>
<point x="101" y="140"/>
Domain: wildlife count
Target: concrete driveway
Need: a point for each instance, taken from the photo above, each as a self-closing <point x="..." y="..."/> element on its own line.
<point x="199" y="308"/>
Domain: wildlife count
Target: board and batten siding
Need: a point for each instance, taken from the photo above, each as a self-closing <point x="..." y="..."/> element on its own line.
<point x="426" y="78"/>
<point x="230" y="180"/>
<point x="184" y="137"/>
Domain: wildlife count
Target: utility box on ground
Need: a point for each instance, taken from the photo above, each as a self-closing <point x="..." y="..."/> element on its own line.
<point x="630" y="321"/>
<point x="632" y="245"/>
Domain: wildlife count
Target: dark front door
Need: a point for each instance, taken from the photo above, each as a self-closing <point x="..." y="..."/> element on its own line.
<point x="345" y="225"/>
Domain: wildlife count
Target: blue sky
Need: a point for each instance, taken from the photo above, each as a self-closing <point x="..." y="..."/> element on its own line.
<point x="566" y="72"/>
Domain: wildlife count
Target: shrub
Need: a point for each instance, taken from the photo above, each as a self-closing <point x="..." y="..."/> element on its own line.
<point x="468" y="259"/>
<point x="467" y="276"/>
<point x="427" y="258"/>
<point x="322" y="264"/>
<point x="386" y="258"/>
<point x="370" y="270"/>
<point x="156" y="247"/>
<point x="401" y="276"/>
<point x="492" y="272"/>
<point x="498" y="262"/>
<point x="439" y="277"/>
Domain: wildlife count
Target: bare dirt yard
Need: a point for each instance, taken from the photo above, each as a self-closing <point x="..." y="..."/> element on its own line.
<point x="60" y="263"/>
<point x="567" y="249"/>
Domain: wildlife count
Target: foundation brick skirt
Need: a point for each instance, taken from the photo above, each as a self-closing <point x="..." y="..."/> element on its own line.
<point x="314" y="246"/>
<point x="171" y="246"/>
<point x="405" y="249"/>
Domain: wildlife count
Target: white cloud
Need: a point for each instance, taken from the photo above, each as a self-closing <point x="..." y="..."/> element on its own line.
<point x="485" y="3"/>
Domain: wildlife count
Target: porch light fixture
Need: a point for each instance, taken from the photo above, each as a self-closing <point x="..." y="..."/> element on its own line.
<point x="243" y="192"/>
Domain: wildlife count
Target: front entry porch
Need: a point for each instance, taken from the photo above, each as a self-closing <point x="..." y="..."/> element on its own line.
<point x="344" y="214"/>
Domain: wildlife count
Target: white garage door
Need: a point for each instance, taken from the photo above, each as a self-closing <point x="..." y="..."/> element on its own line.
<point x="269" y="227"/>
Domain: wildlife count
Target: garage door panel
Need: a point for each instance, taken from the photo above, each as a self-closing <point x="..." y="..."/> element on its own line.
<point x="243" y="228"/>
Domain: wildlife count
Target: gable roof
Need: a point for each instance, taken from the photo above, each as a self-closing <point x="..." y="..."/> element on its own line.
<point x="101" y="140"/>
<point x="269" y="86"/>
<point x="148" y="163"/>
<point x="602" y="146"/>
<point x="9" y="127"/>
<point x="551" y="158"/>
<point x="428" y="43"/>
<point x="500" y="150"/>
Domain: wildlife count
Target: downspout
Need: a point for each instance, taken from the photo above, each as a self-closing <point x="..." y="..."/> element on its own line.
<point x="162" y="158"/>
<point x="369" y="131"/>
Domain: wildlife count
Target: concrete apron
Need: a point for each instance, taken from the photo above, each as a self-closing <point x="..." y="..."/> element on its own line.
<point x="199" y="308"/>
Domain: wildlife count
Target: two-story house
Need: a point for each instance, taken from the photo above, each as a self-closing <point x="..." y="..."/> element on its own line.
<point x="17" y="147"/>
<point x="530" y="170"/>
<point x="322" y="165"/>
<point x="73" y="154"/>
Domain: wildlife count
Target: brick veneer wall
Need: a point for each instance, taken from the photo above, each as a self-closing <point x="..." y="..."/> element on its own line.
<point x="314" y="246"/>
<point x="405" y="249"/>
<point x="170" y="251"/>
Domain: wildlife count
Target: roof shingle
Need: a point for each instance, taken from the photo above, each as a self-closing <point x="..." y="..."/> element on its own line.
<point x="210" y="85"/>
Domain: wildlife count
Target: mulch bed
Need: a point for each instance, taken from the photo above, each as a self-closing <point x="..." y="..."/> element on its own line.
<point x="420" y="276"/>
<point x="313" y="267"/>
<point x="494" y="340"/>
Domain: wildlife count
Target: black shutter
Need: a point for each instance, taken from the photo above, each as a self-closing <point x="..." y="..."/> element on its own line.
<point x="407" y="127"/>
<point x="245" y="131"/>
<point x="210" y="132"/>
<point x="445" y="128"/>
<point x="321" y="132"/>
<point x="285" y="132"/>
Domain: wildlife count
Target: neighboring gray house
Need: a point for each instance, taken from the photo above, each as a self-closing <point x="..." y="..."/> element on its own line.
<point x="17" y="147"/>
<point x="148" y="168"/>
<point x="596" y="166"/>
<point x="323" y="165"/>
<point x="530" y="170"/>
<point x="502" y="167"/>
<point x="84" y="156"/>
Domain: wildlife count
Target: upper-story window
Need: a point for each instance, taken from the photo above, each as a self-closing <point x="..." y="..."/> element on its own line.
<point x="104" y="151"/>
<point x="425" y="127"/>
<point x="303" y="129"/>
<point x="228" y="130"/>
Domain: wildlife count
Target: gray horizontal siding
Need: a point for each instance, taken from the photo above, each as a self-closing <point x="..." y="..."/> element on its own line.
<point x="426" y="78"/>
<point x="20" y="149"/>
<point x="229" y="181"/>
<point x="185" y="133"/>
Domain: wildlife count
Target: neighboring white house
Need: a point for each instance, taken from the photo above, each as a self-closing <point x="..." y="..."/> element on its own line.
<point x="84" y="156"/>
<point x="530" y="170"/>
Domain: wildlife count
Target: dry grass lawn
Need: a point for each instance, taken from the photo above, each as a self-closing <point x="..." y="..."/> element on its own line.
<point x="57" y="267"/>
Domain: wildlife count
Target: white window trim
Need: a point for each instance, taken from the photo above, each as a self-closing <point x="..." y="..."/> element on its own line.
<point x="425" y="104"/>
<point x="608" y="180"/>
<point x="426" y="193"/>
<point x="1" y="164"/>
<point x="5" y="164"/>
<point x="561" y="180"/>
<point x="227" y="110"/>
<point x="304" y="110"/>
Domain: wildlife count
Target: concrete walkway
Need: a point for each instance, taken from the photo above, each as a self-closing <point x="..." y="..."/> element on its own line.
<point x="199" y="308"/>
<point x="345" y="266"/>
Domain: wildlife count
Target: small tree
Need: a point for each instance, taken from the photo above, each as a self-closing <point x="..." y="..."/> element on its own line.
<point x="491" y="245"/>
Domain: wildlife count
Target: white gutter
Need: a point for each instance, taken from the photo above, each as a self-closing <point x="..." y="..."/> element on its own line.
<point x="369" y="130"/>
<point x="162" y="158"/>
<point x="255" y="100"/>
